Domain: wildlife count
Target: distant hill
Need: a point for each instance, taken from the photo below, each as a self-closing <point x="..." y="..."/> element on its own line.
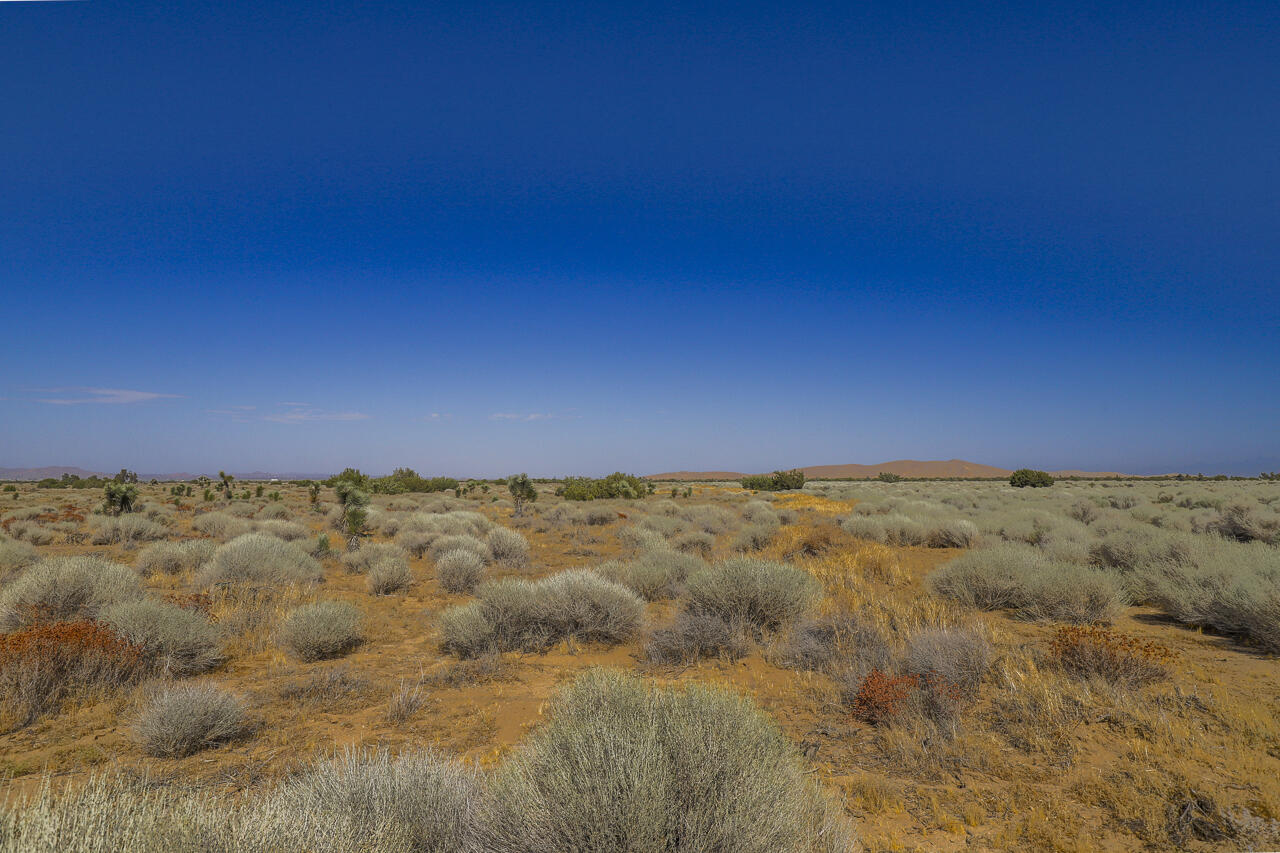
<point x="901" y="467"/>
<point x="49" y="471"/>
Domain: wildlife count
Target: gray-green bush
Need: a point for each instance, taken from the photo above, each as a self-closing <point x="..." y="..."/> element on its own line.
<point x="66" y="589"/>
<point x="184" y="719"/>
<point x="179" y="642"/>
<point x="322" y="630"/>
<point x="459" y="571"/>
<point x="760" y="593"/>
<point x="260" y="558"/>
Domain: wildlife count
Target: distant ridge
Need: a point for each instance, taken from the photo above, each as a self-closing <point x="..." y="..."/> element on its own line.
<point x="901" y="467"/>
<point x="56" y="471"/>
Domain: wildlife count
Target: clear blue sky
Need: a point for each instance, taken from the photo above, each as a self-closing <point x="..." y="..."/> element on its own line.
<point x="482" y="238"/>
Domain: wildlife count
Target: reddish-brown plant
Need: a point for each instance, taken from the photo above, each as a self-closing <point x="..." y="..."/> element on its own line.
<point x="1093" y="650"/>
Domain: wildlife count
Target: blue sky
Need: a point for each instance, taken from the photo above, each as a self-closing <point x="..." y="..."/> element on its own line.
<point x="481" y="238"/>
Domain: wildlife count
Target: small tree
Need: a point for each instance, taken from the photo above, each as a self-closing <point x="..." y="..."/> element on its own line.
<point x="227" y="480"/>
<point x="126" y="476"/>
<point x="1024" y="477"/>
<point x="313" y="489"/>
<point x="522" y="491"/>
<point x="889" y="477"/>
<point x="355" y="511"/>
<point x="119" y="498"/>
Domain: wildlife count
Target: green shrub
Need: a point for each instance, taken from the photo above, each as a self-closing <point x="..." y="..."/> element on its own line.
<point x="118" y="498"/>
<point x="178" y="641"/>
<point x="66" y="589"/>
<point x="522" y="492"/>
<point x="762" y="594"/>
<point x="322" y="630"/>
<point x="621" y="766"/>
<point x="187" y="718"/>
<point x="1025" y="477"/>
<point x="776" y="482"/>
<point x="616" y="485"/>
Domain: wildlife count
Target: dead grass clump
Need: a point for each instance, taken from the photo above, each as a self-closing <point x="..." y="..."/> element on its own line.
<point x="462" y="673"/>
<point x="1090" y="650"/>
<point x="182" y="720"/>
<point x="44" y="665"/>
<point x="622" y="765"/>
<point x="322" y="630"/>
<point x="405" y="703"/>
<point x="331" y="687"/>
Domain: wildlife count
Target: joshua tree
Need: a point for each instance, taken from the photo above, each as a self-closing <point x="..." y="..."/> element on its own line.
<point x="355" y="511"/>
<point x="522" y="492"/>
<point x="227" y="480"/>
<point x="119" y="497"/>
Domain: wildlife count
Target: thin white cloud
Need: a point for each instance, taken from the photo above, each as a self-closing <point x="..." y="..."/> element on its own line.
<point x="80" y="395"/>
<point x="436" y="417"/>
<point x="307" y="414"/>
<point x="530" y="416"/>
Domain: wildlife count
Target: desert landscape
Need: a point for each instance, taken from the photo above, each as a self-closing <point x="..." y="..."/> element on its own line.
<point x="930" y="665"/>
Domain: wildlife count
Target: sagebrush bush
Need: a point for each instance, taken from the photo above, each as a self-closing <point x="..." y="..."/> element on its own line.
<point x="274" y="512"/>
<point x="954" y="533"/>
<point x="459" y="570"/>
<point x="962" y="656"/>
<point x="458" y="542"/>
<point x="844" y="644"/>
<point x="1022" y="579"/>
<point x="35" y="534"/>
<point x="655" y="574"/>
<point x="124" y="530"/>
<point x="184" y="719"/>
<point x="259" y="558"/>
<point x="170" y="558"/>
<point x="15" y="556"/>
<point x="66" y="589"/>
<point x="418" y="801"/>
<point x="176" y="640"/>
<point x="753" y="537"/>
<point x="364" y="559"/>
<point x="219" y="525"/>
<point x="752" y="592"/>
<point x="514" y="613"/>
<point x="508" y="548"/>
<point x="621" y="766"/>
<point x="692" y="636"/>
<point x="695" y="542"/>
<point x="388" y="576"/>
<point x="322" y="630"/>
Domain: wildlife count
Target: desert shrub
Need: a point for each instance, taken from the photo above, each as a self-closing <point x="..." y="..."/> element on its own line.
<point x="1092" y="651"/>
<point x="416" y="541"/>
<point x="639" y="538"/>
<point x="759" y="512"/>
<point x="184" y="719"/>
<point x="219" y="525"/>
<point x="1134" y="548"/>
<point x="388" y="576"/>
<point x="621" y="766"/>
<point x="508" y="548"/>
<point x="259" y="558"/>
<point x="459" y="542"/>
<point x="170" y="558"/>
<point x="884" y="698"/>
<point x="241" y="510"/>
<point x="616" y="485"/>
<point x="43" y="665"/>
<point x="419" y="801"/>
<point x="176" y="640"/>
<point x="775" y="482"/>
<point x="289" y="531"/>
<point x="1024" y="477"/>
<point x="955" y="533"/>
<point x="1239" y="522"/>
<point x="696" y="542"/>
<point x="124" y="530"/>
<point x="709" y="519"/>
<point x="29" y="531"/>
<point x="844" y="644"/>
<point x="865" y="527"/>
<point x="1023" y="579"/>
<point x="361" y="561"/>
<point x="692" y="636"/>
<point x="653" y="575"/>
<point x="514" y="613"/>
<point x="962" y="656"/>
<point x="65" y="589"/>
<point x="753" y="537"/>
<point x="751" y="592"/>
<point x="274" y="512"/>
<point x="322" y="630"/>
<point x="597" y="516"/>
<point x="15" y="556"/>
<point x="459" y="571"/>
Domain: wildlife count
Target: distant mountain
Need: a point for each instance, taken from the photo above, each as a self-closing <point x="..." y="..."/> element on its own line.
<point x="901" y="467"/>
<point x="41" y="473"/>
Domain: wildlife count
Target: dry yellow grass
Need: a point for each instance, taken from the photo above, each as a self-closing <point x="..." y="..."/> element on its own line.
<point x="813" y="503"/>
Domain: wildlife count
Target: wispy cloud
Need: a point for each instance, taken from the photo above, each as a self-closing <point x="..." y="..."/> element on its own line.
<point x="80" y="395"/>
<point x="437" y="417"/>
<point x="530" y="416"/>
<point x="298" y="413"/>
